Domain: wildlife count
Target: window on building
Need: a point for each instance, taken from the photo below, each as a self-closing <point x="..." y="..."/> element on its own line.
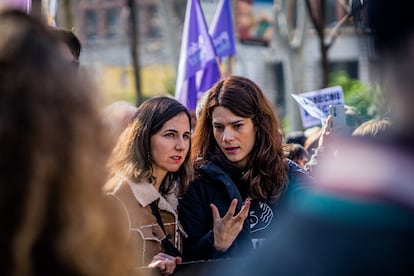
<point x="154" y="30"/>
<point x="112" y="24"/>
<point x="149" y="21"/>
<point x="91" y="25"/>
<point x="331" y="13"/>
<point x="349" y="67"/>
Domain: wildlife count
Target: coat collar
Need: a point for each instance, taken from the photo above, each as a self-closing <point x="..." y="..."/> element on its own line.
<point x="145" y="193"/>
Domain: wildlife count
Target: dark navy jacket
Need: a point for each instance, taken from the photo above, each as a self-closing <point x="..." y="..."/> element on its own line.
<point x="214" y="185"/>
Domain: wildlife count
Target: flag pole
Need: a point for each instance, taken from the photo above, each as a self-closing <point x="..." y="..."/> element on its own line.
<point x="231" y="64"/>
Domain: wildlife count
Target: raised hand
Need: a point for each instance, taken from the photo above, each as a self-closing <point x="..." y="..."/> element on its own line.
<point x="226" y="229"/>
<point x="326" y="131"/>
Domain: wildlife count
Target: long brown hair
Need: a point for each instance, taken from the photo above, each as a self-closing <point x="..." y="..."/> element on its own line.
<point x="131" y="155"/>
<point x="55" y="219"/>
<point x="266" y="168"/>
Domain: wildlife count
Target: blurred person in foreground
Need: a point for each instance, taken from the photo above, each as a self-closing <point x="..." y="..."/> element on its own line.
<point x="150" y="168"/>
<point x="70" y="45"/>
<point x="53" y="149"/>
<point x="373" y="128"/>
<point x="358" y="219"/>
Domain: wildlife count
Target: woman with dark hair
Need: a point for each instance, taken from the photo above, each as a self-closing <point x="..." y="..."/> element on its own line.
<point x="241" y="173"/>
<point x="53" y="150"/>
<point x="297" y="153"/>
<point x="149" y="169"/>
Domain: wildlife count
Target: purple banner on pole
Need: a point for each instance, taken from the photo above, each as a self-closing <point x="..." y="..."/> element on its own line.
<point x="211" y="75"/>
<point x="222" y="31"/>
<point x="24" y="5"/>
<point x="197" y="51"/>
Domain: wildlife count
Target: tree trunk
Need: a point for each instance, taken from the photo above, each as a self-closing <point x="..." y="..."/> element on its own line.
<point x="325" y="64"/>
<point x="134" y="44"/>
<point x="317" y="14"/>
<point x="323" y="45"/>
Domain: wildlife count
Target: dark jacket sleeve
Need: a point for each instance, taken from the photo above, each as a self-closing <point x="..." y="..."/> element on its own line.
<point x="196" y="217"/>
<point x="299" y="180"/>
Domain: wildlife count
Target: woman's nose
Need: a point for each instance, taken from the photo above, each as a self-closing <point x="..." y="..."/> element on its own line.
<point x="228" y="135"/>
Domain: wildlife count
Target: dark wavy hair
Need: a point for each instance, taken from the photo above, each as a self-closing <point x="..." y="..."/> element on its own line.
<point x="131" y="155"/>
<point x="53" y="149"/>
<point x="266" y="168"/>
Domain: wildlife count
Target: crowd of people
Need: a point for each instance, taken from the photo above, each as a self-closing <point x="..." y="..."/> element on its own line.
<point x="126" y="190"/>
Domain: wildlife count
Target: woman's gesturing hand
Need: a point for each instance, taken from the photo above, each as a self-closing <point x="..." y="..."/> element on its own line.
<point x="165" y="263"/>
<point x="227" y="228"/>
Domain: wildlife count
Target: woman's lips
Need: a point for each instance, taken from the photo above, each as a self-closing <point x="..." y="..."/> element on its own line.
<point x="176" y="158"/>
<point x="231" y="150"/>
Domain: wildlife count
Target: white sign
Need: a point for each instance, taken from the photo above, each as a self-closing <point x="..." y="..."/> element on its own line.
<point x="314" y="105"/>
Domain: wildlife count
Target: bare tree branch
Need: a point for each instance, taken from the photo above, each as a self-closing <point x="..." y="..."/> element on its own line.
<point x="333" y="35"/>
<point x="319" y="22"/>
<point x="134" y="44"/>
<point x="345" y="6"/>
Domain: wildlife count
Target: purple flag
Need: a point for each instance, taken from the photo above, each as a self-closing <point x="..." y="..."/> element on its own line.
<point x="197" y="51"/>
<point x="221" y="30"/>
<point x="211" y="75"/>
<point x="24" y="5"/>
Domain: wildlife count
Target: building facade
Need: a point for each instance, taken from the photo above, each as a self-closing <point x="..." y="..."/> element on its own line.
<point x="280" y="51"/>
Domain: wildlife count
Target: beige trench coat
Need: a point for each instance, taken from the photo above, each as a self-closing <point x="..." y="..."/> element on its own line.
<point x="145" y="234"/>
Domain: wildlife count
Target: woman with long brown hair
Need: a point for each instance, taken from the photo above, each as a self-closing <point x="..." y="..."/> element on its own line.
<point x="150" y="167"/>
<point x="241" y="173"/>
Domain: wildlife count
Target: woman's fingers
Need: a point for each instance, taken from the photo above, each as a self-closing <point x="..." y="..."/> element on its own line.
<point x="244" y="211"/>
<point x="215" y="212"/>
<point x="232" y="209"/>
<point x="229" y="214"/>
<point x="169" y="266"/>
<point x="226" y="229"/>
<point x="165" y="263"/>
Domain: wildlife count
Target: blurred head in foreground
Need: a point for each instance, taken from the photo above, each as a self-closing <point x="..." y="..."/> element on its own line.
<point x="52" y="162"/>
<point x="393" y="32"/>
<point x="70" y="44"/>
